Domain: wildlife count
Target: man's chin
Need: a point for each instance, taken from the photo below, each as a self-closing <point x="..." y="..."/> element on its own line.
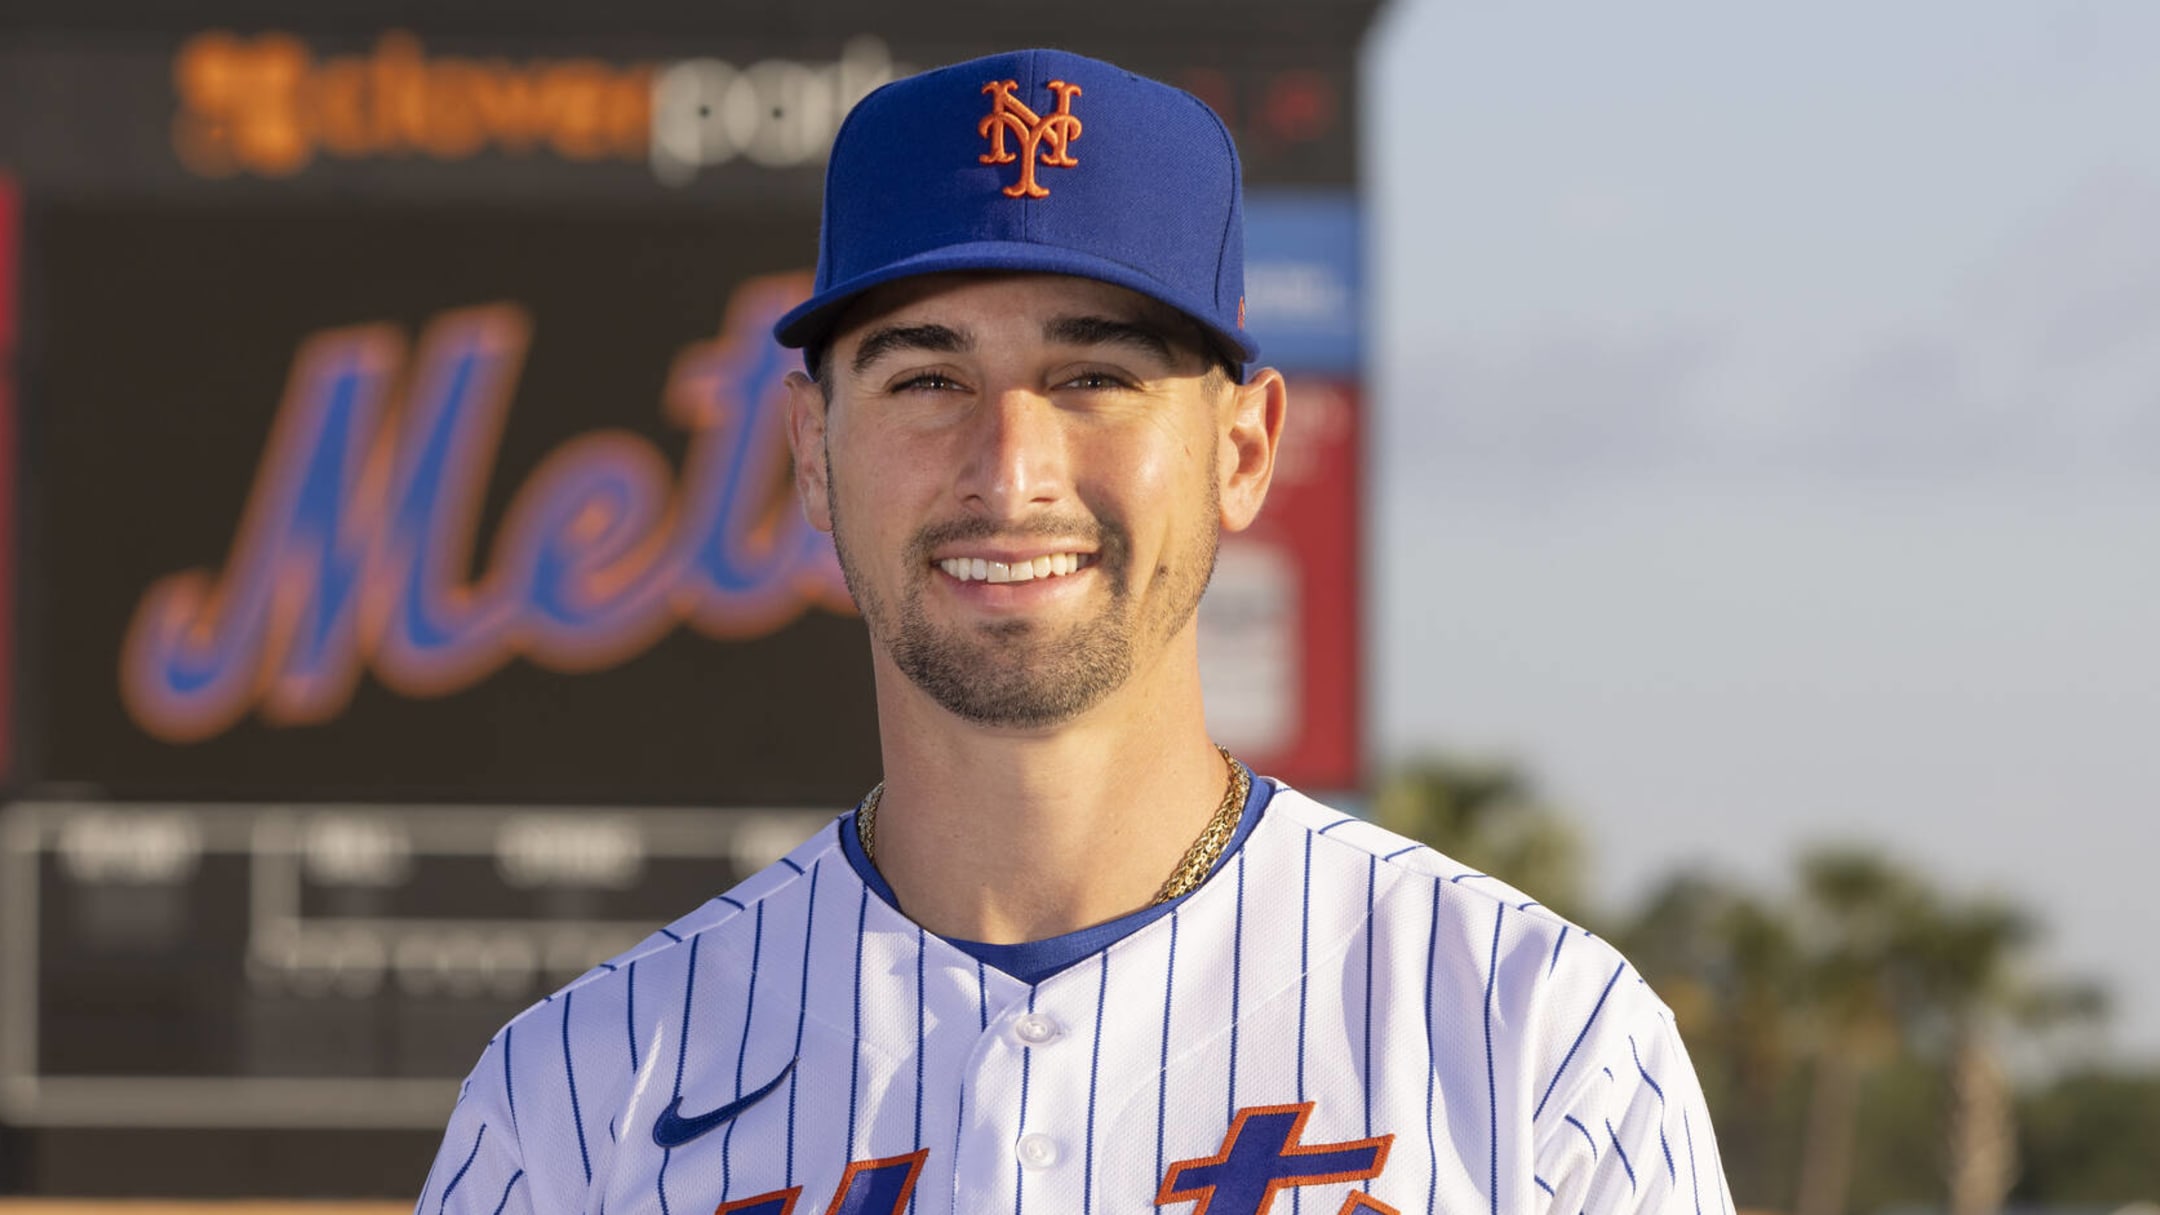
<point x="1000" y="688"/>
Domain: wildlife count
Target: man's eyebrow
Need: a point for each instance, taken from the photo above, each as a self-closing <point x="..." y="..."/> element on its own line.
<point x="1108" y="331"/>
<point x="940" y="339"/>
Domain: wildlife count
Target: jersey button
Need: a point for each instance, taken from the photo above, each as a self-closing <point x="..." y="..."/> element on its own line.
<point x="1035" y="1029"/>
<point x="1038" y="1151"/>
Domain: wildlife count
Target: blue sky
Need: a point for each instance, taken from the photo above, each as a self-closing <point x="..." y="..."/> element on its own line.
<point x="1767" y="435"/>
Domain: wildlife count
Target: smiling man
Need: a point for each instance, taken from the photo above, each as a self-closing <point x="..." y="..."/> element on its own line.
<point x="1070" y="955"/>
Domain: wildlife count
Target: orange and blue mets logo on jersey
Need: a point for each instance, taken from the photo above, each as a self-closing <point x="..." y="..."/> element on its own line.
<point x="869" y="1187"/>
<point x="1264" y="1154"/>
<point x="1049" y="135"/>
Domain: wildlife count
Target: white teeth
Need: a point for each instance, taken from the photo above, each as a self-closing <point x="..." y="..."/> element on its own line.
<point x="979" y="569"/>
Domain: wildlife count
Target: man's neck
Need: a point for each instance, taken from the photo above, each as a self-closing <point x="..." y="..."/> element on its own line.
<point x="1006" y="836"/>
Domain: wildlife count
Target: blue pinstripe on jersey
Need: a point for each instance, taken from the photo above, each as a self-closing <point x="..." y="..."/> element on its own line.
<point x="1304" y="988"/>
<point x="505" y="1199"/>
<point x="742" y="1051"/>
<point x="1432" y="1052"/>
<point x="1492" y="1076"/>
<point x="577" y="1116"/>
<point x="1087" y="1171"/>
<point x="854" y="1096"/>
<point x="1571" y="1120"/>
<point x="1404" y="851"/>
<point x="682" y="1059"/>
<point x="1162" y="1076"/>
<point x="1694" y="1172"/>
<point x="982" y="1005"/>
<point x="1624" y="1162"/>
<point x="1237" y="981"/>
<point x="1570" y="1057"/>
<point x="1304" y="982"/>
<point x="689" y="993"/>
<point x="1027" y="1061"/>
<point x="469" y="1158"/>
<point x="1557" y="943"/>
<point x="1671" y="1170"/>
<point x="1372" y="871"/>
<point x="630" y="1011"/>
<point x="802" y="1013"/>
<point x="922" y="1013"/>
<point x="982" y="1014"/>
<point x="509" y="1089"/>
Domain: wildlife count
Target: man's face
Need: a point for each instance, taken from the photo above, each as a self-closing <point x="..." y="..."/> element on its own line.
<point x="1024" y="478"/>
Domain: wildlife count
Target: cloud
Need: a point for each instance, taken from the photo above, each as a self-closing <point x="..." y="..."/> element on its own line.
<point x="1555" y="400"/>
<point x="2041" y="362"/>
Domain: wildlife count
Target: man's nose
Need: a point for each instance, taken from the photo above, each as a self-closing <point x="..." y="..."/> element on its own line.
<point x="1016" y="455"/>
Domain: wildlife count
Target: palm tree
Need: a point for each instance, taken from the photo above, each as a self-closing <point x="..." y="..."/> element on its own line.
<point x="1857" y="916"/>
<point x="1971" y="991"/>
<point x="1894" y="965"/>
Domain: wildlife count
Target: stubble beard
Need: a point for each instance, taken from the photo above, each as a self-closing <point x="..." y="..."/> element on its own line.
<point x="1016" y="674"/>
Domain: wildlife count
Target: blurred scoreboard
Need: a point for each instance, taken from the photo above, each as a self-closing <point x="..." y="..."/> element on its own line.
<point x="316" y="966"/>
<point x="402" y="602"/>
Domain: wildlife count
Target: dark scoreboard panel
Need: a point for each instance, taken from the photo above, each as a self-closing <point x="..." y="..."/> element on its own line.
<point x="332" y="966"/>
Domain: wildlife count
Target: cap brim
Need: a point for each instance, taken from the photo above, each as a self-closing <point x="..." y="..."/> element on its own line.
<point x="809" y="323"/>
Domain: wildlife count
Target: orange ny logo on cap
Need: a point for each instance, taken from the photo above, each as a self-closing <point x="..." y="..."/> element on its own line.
<point x="1058" y="129"/>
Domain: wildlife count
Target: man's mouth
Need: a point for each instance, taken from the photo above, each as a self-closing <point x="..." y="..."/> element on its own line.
<point x="1047" y="565"/>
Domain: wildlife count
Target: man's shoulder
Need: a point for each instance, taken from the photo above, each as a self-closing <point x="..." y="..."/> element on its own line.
<point x="1458" y="912"/>
<point x="716" y="923"/>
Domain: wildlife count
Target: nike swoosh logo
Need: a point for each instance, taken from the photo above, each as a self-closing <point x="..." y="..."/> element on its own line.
<point x="672" y="1130"/>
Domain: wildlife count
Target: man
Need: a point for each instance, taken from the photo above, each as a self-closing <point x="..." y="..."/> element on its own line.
<point x="1070" y="956"/>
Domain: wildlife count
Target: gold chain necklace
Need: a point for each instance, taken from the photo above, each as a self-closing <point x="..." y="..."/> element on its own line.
<point x="1192" y="868"/>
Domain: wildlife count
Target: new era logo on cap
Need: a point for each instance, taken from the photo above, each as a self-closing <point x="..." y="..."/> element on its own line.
<point x="979" y="166"/>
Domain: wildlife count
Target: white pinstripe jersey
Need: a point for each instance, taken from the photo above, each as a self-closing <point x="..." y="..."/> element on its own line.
<point x="1339" y="1019"/>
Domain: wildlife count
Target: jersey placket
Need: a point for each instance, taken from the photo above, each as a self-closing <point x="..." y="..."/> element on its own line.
<point x="1023" y="1136"/>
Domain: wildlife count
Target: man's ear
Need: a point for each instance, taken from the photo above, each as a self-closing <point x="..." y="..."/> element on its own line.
<point x="1257" y="408"/>
<point x="806" y="443"/>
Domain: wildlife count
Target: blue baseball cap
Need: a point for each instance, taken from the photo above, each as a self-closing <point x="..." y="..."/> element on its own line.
<point x="1034" y="160"/>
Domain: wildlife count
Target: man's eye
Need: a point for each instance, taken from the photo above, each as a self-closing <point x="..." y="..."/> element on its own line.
<point x="1095" y="380"/>
<point x="933" y="381"/>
